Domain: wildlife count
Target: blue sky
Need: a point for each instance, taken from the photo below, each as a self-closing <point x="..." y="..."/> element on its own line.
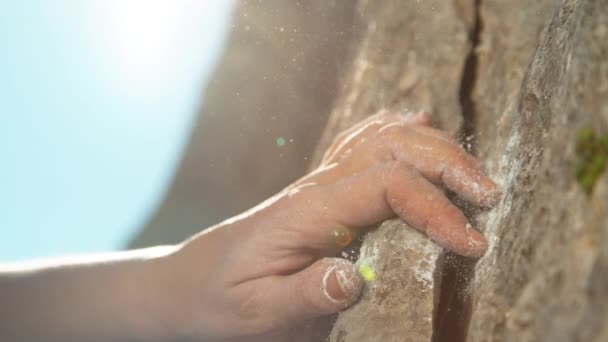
<point x="96" y="101"/>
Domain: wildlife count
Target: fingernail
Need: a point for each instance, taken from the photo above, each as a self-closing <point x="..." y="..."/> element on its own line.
<point x="349" y="284"/>
<point x="493" y="197"/>
<point x="477" y="244"/>
<point x="492" y="193"/>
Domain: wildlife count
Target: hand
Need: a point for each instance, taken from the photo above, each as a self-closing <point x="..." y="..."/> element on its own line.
<point x="273" y="267"/>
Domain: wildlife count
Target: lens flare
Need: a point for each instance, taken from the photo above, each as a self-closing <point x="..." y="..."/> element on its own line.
<point x="367" y="272"/>
<point x="343" y="237"/>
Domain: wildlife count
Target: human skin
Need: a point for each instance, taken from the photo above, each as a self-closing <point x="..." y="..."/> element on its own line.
<point x="270" y="269"/>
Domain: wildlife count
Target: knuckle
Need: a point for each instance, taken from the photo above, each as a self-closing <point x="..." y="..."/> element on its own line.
<point x="382" y="154"/>
<point x="448" y="212"/>
<point x="315" y="200"/>
<point x="441" y="206"/>
<point x="310" y="302"/>
<point x="398" y="170"/>
<point x="304" y="196"/>
<point x="459" y="157"/>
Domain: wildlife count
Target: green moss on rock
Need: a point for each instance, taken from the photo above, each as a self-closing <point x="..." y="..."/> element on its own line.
<point x="592" y="153"/>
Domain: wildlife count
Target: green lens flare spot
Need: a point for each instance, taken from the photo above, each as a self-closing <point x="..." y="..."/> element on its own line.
<point x="280" y="141"/>
<point x="367" y="272"/>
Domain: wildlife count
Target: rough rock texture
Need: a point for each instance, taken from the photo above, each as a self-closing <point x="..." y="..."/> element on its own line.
<point x="545" y="277"/>
<point x="277" y="78"/>
<point x="408" y="274"/>
<point x="411" y="57"/>
<point x="508" y="39"/>
<point x="538" y="73"/>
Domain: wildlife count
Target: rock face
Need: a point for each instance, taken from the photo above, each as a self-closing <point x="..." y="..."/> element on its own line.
<point x="413" y="55"/>
<point x="538" y="72"/>
<point x="407" y="275"/>
<point x="545" y="277"/>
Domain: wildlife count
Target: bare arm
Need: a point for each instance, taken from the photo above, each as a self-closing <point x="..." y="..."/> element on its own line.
<point x="261" y="273"/>
<point x="116" y="296"/>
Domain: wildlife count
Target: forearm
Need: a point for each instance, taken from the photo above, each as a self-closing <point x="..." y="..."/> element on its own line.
<point x="117" y="296"/>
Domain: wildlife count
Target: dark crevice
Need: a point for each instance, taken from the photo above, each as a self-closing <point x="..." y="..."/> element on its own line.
<point x="453" y="311"/>
<point x="467" y="84"/>
<point x="454" y="308"/>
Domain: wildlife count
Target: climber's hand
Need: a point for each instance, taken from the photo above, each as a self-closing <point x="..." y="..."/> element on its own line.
<point x="274" y="266"/>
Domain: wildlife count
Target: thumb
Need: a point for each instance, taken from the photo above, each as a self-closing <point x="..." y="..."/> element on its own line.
<point x="325" y="287"/>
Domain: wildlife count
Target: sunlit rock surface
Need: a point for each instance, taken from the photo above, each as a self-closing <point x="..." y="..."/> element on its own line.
<point x="412" y="56"/>
<point x="540" y="74"/>
<point x="396" y="305"/>
<point x="543" y="76"/>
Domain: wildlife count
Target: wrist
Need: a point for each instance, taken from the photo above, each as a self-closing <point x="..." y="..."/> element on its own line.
<point x="186" y="281"/>
<point x="167" y="308"/>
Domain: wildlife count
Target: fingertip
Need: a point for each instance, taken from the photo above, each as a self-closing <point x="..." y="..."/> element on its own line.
<point x="492" y="193"/>
<point x="462" y="240"/>
<point x="342" y="284"/>
<point x="485" y="191"/>
<point x="476" y="244"/>
<point x="327" y="286"/>
<point x="472" y="185"/>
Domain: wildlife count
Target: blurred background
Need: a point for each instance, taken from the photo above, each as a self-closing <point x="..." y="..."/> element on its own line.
<point x="96" y="104"/>
<point x="129" y="123"/>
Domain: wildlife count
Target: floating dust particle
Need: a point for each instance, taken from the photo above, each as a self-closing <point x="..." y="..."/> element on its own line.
<point x="367" y="272"/>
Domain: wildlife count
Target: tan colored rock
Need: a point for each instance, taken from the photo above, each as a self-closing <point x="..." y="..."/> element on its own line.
<point x="398" y="304"/>
<point x="545" y="277"/>
<point x="541" y="74"/>
<point x="411" y="57"/>
<point x="509" y="37"/>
